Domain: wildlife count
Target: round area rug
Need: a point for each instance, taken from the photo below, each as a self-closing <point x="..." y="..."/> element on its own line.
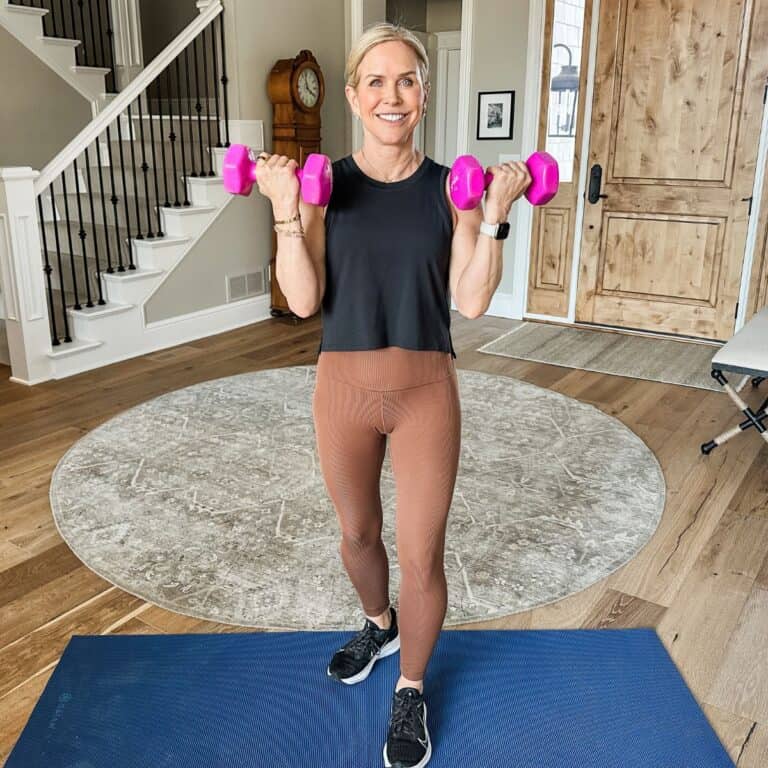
<point x="209" y="501"/>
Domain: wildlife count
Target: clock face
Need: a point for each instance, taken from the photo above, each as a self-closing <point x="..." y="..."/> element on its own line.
<point x="308" y="87"/>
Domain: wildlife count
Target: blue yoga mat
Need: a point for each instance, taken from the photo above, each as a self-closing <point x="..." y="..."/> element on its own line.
<point x="544" y="698"/>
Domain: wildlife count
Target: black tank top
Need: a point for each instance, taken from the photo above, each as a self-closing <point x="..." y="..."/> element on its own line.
<point x="388" y="250"/>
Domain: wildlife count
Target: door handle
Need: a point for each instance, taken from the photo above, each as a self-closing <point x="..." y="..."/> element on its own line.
<point x="595" y="180"/>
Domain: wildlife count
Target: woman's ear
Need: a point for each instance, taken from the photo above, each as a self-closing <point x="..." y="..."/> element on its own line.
<point x="351" y="95"/>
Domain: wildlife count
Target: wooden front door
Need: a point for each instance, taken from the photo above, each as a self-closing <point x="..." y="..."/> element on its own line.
<point x="678" y="102"/>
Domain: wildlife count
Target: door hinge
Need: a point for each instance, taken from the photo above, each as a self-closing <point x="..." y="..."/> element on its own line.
<point x="748" y="200"/>
<point x="765" y="93"/>
<point x="736" y="311"/>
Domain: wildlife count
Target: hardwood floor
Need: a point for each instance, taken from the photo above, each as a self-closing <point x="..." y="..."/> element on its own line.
<point x="702" y="581"/>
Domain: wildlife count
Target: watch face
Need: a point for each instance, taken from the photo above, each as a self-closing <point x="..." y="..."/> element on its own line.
<point x="308" y="87"/>
<point x="503" y="230"/>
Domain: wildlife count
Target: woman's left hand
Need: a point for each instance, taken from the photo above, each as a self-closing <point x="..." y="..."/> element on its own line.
<point x="510" y="180"/>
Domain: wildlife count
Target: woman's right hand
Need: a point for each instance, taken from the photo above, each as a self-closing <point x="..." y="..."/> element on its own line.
<point x="276" y="179"/>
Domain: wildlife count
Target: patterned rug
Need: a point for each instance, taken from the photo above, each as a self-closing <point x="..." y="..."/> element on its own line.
<point x="620" y="354"/>
<point x="209" y="501"/>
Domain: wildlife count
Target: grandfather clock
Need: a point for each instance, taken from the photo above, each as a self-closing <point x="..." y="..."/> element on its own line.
<point x="296" y="90"/>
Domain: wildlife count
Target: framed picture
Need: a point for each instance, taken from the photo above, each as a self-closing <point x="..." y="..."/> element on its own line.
<point x="495" y="114"/>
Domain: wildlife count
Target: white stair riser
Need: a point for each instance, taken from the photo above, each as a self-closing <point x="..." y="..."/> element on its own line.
<point x="207" y="193"/>
<point x="129" y="291"/>
<point x="160" y="258"/>
<point x="187" y="225"/>
<point x="106" y="327"/>
<point x="61" y="56"/>
<point x="28" y="25"/>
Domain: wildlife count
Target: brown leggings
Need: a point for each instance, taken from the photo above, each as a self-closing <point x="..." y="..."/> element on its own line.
<point x="361" y="397"/>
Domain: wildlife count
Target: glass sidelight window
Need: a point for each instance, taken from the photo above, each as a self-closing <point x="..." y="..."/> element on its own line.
<point x="565" y="60"/>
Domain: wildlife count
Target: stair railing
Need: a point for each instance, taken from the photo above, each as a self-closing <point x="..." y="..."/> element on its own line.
<point x="107" y="188"/>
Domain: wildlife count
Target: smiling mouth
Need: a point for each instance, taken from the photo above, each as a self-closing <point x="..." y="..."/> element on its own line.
<point x="393" y="122"/>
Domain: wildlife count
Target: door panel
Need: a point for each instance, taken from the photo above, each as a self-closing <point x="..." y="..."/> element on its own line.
<point x="675" y="127"/>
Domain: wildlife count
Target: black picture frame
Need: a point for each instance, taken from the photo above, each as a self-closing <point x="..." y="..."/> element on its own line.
<point x="495" y="115"/>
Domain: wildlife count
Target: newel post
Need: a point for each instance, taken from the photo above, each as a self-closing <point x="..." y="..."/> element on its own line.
<point x="23" y="279"/>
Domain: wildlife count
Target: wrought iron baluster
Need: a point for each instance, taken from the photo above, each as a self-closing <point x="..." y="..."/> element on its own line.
<point x="125" y="193"/>
<point x="114" y="200"/>
<point x="94" y="57"/>
<point x="172" y="137"/>
<point x="93" y="226"/>
<point x="198" y="109"/>
<point x="48" y="269"/>
<point x="103" y="57"/>
<point x="181" y="134"/>
<point x="69" y="241"/>
<point x="216" y="83"/>
<point x="104" y="220"/>
<point x="131" y="142"/>
<point x="145" y="169"/>
<point x="207" y="106"/>
<point x="82" y="235"/>
<point x="111" y="47"/>
<point x="67" y="337"/>
<point x="167" y="203"/>
<point x="190" y="121"/>
<point x="159" y="232"/>
<point x="83" y="41"/>
<point x="224" y="78"/>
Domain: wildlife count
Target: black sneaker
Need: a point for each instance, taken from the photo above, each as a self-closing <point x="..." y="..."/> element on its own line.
<point x="353" y="662"/>
<point x="408" y="744"/>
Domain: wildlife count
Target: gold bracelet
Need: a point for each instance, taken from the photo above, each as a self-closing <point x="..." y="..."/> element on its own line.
<point x="290" y="232"/>
<point x="297" y="217"/>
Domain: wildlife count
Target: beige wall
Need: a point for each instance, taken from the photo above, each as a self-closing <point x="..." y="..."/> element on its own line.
<point x="443" y="15"/>
<point x="237" y="243"/>
<point x="499" y="51"/>
<point x="41" y="113"/>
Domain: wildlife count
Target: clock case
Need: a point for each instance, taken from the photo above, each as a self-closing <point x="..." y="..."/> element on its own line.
<point x="295" y="132"/>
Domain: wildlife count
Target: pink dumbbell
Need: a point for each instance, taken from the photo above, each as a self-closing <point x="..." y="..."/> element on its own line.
<point x="316" y="176"/>
<point x="469" y="181"/>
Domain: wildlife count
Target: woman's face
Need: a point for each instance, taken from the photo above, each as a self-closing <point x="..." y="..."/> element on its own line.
<point x="390" y="84"/>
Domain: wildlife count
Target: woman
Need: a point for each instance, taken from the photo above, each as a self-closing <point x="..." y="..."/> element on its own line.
<point x="380" y="260"/>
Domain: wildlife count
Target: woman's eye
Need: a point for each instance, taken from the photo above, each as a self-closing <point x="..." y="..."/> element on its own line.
<point x="404" y="80"/>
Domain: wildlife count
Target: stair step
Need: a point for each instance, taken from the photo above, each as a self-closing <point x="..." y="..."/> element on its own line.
<point x="26" y="9"/>
<point x="103" y="310"/>
<point x="132" y="275"/>
<point x="73" y="347"/>
<point x="64" y="42"/>
<point x="81" y="69"/>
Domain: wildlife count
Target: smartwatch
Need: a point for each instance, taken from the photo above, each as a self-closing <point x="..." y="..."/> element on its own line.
<point x="496" y="231"/>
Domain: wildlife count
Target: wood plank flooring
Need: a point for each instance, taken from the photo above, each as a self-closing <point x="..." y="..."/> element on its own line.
<point x="701" y="582"/>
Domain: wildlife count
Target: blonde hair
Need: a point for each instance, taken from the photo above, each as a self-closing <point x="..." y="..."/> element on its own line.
<point x="383" y="32"/>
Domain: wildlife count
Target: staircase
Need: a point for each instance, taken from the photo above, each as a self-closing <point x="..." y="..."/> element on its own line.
<point x="120" y="207"/>
<point x="73" y="38"/>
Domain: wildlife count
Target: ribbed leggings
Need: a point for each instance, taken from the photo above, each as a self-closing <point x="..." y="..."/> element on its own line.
<point x="360" y="397"/>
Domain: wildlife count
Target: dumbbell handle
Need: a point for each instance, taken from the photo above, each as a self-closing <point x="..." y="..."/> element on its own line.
<point x="316" y="177"/>
<point x="469" y="181"/>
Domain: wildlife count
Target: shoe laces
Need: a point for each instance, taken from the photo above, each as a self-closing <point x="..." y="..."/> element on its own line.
<point x="364" y="644"/>
<point x="405" y="716"/>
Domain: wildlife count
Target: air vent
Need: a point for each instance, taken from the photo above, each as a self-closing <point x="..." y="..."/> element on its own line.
<point x="243" y="286"/>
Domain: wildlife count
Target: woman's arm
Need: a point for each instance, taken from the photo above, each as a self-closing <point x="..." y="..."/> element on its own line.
<point x="300" y="261"/>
